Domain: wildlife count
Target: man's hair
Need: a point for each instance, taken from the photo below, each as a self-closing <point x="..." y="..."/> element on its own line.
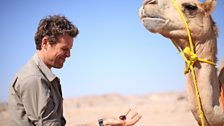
<point x="52" y="27"/>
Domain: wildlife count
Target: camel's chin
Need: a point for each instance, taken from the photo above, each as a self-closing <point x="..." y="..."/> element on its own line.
<point x="154" y="25"/>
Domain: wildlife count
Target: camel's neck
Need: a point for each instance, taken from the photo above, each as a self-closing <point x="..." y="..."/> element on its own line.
<point x="207" y="82"/>
<point x="206" y="50"/>
<point x="206" y="74"/>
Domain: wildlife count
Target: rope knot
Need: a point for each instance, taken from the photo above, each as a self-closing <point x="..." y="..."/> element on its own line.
<point x="192" y="58"/>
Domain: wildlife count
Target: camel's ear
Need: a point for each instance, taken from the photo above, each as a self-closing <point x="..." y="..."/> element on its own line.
<point x="209" y="5"/>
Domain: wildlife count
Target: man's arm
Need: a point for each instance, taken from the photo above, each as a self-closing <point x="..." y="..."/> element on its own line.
<point x="90" y="124"/>
<point x="129" y="119"/>
<point x="38" y="104"/>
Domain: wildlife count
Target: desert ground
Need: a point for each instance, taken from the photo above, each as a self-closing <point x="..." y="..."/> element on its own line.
<point x="157" y="109"/>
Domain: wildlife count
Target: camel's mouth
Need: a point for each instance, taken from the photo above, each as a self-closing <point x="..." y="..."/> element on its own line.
<point x="152" y="22"/>
<point x="153" y="18"/>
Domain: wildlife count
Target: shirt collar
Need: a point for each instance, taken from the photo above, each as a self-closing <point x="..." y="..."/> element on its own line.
<point x="43" y="67"/>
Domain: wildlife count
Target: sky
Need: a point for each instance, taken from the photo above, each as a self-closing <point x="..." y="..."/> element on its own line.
<point x="113" y="53"/>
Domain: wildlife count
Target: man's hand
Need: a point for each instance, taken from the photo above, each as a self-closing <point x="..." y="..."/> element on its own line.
<point x="129" y="119"/>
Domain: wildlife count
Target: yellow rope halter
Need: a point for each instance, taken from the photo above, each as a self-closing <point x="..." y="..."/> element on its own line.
<point x="189" y="51"/>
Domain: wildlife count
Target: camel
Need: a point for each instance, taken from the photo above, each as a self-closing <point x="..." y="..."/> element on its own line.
<point x="161" y="16"/>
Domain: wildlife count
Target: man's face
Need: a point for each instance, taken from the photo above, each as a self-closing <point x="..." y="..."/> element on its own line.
<point x="56" y="54"/>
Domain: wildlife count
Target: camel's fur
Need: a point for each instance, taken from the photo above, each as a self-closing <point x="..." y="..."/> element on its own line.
<point x="160" y="16"/>
<point x="221" y="71"/>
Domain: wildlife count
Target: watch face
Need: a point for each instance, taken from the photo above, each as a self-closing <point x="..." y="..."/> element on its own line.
<point x="100" y="122"/>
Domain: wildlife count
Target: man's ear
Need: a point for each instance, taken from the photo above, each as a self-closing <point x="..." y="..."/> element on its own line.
<point x="44" y="43"/>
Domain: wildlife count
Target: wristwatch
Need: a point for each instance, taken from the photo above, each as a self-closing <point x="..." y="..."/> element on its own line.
<point x="100" y="122"/>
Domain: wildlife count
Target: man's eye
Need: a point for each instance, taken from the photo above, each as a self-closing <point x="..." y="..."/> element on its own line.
<point x="64" y="49"/>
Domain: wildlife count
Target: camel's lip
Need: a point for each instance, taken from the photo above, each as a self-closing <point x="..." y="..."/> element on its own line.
<point x="154" y="24"/>
<point x="153" y="18"/>
<point x="152" y="21"/>
<point x="150" y="17"/>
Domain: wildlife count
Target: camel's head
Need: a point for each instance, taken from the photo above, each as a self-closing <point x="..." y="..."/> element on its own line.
<point x="161" y="16"/>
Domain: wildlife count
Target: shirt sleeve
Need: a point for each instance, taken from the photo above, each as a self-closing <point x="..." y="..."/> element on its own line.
<point x="38" y="103"/>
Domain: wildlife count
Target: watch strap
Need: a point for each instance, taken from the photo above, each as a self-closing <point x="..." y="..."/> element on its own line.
<point x="100" y="121"/>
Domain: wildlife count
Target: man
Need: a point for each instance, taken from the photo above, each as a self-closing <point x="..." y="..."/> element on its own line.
<point x="35" y="96"/>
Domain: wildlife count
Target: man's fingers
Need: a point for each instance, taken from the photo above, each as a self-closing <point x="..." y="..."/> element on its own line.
<point x="135" y="114"/>
<point x="128" y="112"/>
<point x="136" y="118"/>
<point x="132" y="118"/>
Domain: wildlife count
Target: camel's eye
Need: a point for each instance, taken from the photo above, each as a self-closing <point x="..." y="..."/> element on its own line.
<point x="190" y="7"/>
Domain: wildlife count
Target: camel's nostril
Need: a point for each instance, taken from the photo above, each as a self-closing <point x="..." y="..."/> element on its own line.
<point x="149" y="2"/>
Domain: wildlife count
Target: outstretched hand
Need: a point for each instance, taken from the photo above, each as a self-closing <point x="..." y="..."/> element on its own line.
<point x="129" y="119"/>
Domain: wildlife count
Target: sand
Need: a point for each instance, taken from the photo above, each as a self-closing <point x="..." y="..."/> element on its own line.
<point x="157" y="109"/>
